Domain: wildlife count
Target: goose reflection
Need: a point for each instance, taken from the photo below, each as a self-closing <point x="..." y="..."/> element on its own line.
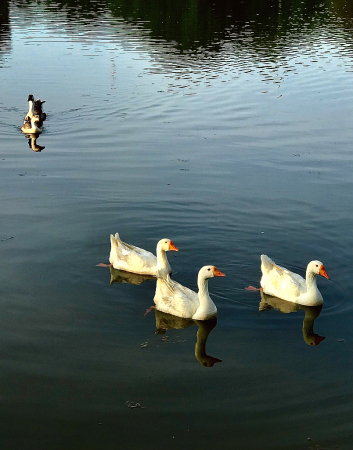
<point x="311" y="313"/>
<point x="165" y="322"/>
<point x="32" y="142"/>
<point x="120" y="276"/>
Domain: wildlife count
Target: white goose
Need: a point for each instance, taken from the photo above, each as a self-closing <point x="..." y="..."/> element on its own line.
<point x="280" y="282"/>
<point x="173" y="298"/>
<point x="32" y="126"/>
<point x="137" y="260"/>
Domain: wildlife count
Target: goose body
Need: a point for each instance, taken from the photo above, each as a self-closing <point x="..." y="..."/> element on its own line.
<point x="137" y="260"/>
<point x="284" y="284"/>
<point x="173" y="298"/>
<point x="32" y="126"/>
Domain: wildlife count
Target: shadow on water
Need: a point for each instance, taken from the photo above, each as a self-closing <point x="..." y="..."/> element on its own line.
<point x="32" y="143"/>
<point x="188" y="38"/>
<point x="190" y="25"/>
<point x="311" y="313"/>
<point x="165" y="322"/>
<point x="71" y="353"/>
<point x="120" y="276"/>
<point x="5" y="34"/>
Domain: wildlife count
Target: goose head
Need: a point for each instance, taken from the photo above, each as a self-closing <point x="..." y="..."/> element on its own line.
<point x="165" y="245"/>
<point x="30" y="98"/>
<point x="317" y="268"/>
<point x="37" y="106"/>
<point x="207" y="272"/>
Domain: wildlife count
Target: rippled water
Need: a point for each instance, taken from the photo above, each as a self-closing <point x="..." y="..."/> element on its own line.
<point x="226" y="127"/>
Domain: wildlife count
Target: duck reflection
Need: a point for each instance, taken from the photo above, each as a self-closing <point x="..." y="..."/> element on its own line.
<point x="32" y="142"/>
<point x="311" y="313"/>
<point x="165" y="322"/>
<point x="120" y="276"/>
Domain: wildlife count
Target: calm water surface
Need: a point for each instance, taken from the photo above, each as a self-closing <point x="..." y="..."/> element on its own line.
<point x="224" y="126"/>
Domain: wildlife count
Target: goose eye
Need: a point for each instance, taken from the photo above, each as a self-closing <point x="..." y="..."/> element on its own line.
<point x="208" y="269"/>
<point x="317" y="265"/>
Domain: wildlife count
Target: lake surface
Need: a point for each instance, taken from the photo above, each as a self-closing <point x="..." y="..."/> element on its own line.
<point x="226" y="127"/>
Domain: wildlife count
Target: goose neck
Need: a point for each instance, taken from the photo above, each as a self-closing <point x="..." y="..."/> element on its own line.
<point x="163" y="267"/>
<point x="202" y="284"/>
<point x="310" y="278"/>
<point x="207" y="309"/>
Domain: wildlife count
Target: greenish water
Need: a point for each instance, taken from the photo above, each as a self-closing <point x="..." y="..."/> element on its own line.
<point x="226" y="127"/>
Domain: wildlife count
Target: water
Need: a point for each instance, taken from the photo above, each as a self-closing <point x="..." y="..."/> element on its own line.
<point x="225" y="127"/>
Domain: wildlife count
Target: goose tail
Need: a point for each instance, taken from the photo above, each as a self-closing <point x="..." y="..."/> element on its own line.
<point x="267" y="261"/>
<point x="266" y="267"/>
<point x="114" y="245"/>
<point x="114" y="241"/>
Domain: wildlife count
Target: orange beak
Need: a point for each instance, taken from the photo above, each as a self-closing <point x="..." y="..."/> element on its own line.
<point x="217" y="273"/>
<point x="319" y="339"/>
<point x="323" y="273"/>
<point x="173" y="247"/>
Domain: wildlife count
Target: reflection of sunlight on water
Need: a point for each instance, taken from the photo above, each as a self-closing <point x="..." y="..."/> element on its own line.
<point x="230" y="173"/>
<point x="273" y="51"/>
<point x="245" y="52"/>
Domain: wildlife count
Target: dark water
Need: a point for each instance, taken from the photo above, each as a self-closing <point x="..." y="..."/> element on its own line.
<point x="225" y="126"/>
